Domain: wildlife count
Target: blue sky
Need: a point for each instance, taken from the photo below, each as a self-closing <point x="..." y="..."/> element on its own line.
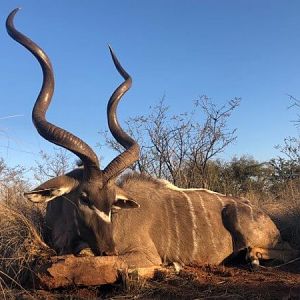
<point x="181" y="49"/>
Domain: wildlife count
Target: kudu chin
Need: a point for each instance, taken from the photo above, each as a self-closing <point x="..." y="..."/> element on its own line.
<point x="144" y="220"/>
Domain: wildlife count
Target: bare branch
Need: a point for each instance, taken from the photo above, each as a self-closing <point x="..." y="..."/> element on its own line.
<point x="176" y="147"/>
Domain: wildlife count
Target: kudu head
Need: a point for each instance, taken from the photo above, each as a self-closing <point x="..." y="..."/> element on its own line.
<point x="93" y="191"/>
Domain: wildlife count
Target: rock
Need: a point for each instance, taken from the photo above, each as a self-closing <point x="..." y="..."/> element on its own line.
<point x="69" y="270"/>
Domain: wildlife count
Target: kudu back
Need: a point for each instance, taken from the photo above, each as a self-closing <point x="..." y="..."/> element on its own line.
<point x="144" y="220"/>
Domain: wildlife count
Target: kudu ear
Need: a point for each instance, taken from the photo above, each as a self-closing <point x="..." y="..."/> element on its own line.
<point x="46" y="195"/>
<point x="52" y="188"/>
<point x="122" y="202"/>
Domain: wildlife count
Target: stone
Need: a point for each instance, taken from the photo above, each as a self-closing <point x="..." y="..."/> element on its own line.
<point x="69" y="270"/>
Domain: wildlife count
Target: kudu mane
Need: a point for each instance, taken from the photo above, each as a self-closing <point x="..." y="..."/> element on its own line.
<point x="140" y="180"/>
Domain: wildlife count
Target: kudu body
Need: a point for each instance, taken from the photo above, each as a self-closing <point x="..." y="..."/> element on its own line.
<point x="144" y="220"/>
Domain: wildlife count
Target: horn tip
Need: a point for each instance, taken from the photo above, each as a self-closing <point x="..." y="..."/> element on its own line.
<point x="112" y="52"/>
<point x="15" y="10"/>
<point x="9" y="20"/>
<point x="117" y="64"/>
<point x="114" y="57"/>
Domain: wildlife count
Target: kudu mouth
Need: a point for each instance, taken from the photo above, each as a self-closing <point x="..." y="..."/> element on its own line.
<point x="62" y="137"/>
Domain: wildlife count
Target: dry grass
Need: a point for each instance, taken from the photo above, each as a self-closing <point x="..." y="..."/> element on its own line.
<point x="287" y="218"/>
<point x="285" y="212"/>
<point x="20" y="244"/>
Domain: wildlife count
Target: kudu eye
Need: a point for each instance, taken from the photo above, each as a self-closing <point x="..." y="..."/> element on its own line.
<point x="84" y="198"/>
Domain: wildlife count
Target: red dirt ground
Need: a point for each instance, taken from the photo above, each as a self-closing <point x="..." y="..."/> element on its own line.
<point x="195" y="282"/>
<point x="240" y="283"/>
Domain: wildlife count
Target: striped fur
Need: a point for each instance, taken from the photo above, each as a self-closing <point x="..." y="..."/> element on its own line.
<point x="171" y="225"/>
<point x="178" y="225"/>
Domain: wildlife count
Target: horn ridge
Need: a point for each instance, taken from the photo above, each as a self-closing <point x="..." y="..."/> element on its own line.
<point x="47" y="130"/>
<point x="132" y="152"/>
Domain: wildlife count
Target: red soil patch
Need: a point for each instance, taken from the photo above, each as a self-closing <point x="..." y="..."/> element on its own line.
<point x="194" y="282"/>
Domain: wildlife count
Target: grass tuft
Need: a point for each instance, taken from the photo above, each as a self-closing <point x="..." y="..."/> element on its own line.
<point x="21" y="244"/>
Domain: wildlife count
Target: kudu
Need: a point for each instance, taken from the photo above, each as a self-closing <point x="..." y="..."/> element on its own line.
<point x="144" y="220"/>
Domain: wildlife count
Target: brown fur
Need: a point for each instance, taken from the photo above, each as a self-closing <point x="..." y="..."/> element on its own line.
<point x="170" y="225"/>
<point x="224" y="225"/>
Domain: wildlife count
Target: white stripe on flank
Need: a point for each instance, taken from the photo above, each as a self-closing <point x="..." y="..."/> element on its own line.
<point x="167" y="252"/>
<point x="251" y="210"/>
<point x="194" y="229"/>
<point x="220" y="199"/>
<point x="209" y="226"/>
<point x="102" y="215"/>
<point x="176" y="229"/>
